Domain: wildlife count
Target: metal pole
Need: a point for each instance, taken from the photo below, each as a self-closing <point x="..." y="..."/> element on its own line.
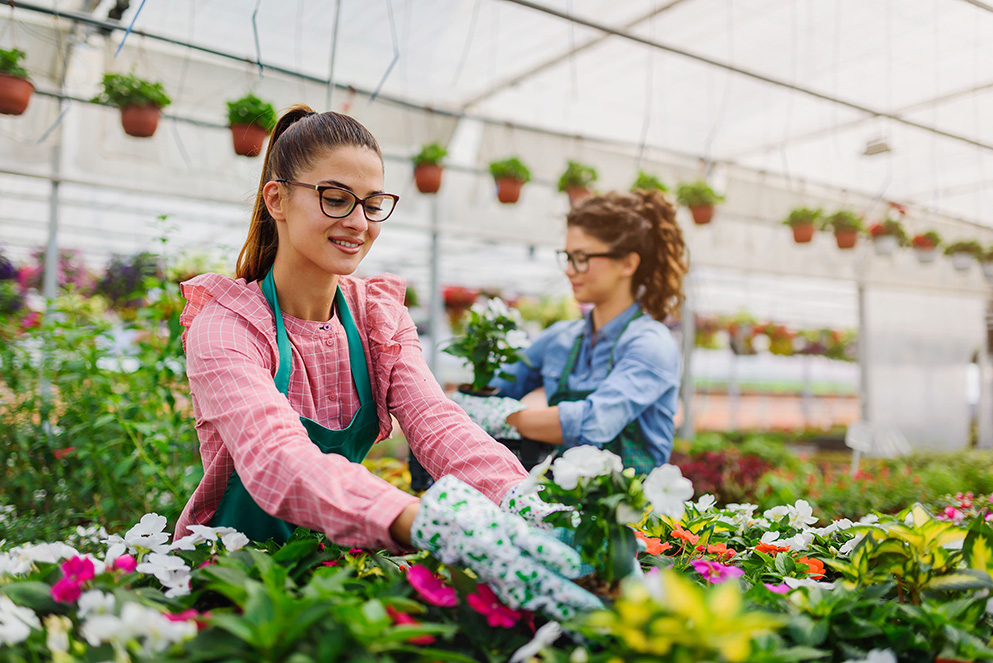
<point x="687" y="430"/>
<point x="985" y="408"/>
<point x="434" y="323"/>
<point x="863" y="353"/>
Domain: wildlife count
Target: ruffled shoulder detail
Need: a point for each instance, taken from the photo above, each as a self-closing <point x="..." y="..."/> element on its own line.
<point x="237" y="295"/>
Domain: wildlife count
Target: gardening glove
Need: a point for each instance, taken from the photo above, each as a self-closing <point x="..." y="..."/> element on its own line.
<point x="490" y="413"/>
<point x="523" y="566"/>
<point x="522" y="499"/>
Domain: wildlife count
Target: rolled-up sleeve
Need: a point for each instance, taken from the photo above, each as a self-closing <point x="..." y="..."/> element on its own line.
<point x="647" y="369"/>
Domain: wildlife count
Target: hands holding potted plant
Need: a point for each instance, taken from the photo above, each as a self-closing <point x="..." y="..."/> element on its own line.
<point x="803" y="221"/>
<point x="15" y="88"/>
<point x="510" y="175"/>
<point x="251" y="120"/>
<point x="427" y="167"/>
<point x="846" y="226"/>
<point x="576" y="181"/>
<point x="140" y="101"/>
<point x="700" y="198"/>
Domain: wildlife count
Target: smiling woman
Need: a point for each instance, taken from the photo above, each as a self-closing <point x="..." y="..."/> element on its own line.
<point x="296" y="367"/>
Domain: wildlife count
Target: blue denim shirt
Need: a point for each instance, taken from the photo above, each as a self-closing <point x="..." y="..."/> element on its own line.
<point x="643" y="385"/>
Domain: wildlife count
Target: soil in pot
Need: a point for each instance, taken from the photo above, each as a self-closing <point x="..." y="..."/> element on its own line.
<point x="15" y="93"/>
<point x="467" y="389"/>
<point x="702" y="214"/>
<point x="427" y="177"/>
<point x="803" y="233"/>
<point x="846" y="238"/>
<point x="248" y="139"/>
<point x="508" y="189"/>
<point x="609" y="591"/>
<point x="140" y="121"/>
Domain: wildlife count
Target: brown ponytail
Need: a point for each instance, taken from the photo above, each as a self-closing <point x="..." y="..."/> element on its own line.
<point x="642" y="222"/>
<point x="300" y="138"/>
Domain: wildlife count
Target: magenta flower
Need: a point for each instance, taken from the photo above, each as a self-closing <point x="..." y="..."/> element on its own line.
<point x="715" y="572"/>
<point x="781" y="588"/>
<point x="66" y="590"/>
<point x="126" y="563"/>
<point x="78" y="569"/>
<point x="486" y="603"/>
<point x="431" y="588"/>
<point x="953" y="514"/>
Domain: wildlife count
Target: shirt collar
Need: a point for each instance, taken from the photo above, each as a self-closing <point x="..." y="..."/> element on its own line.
<point x="613" y="329"/>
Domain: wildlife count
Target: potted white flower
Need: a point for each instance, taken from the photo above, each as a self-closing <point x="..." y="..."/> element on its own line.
<point x="491" y="338"/>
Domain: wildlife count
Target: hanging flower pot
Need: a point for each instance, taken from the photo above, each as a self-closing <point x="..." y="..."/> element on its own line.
<point x="702" y="214"/>
<point x="964" y="254"/>
<point x="427" y="168"/>
<point x="987" y="266"/>
<point x="926" y="246"/>
<point x="803" y="233"/>
<point x="140" y="101"/>
<point x="15" y="93"/>
<point x="926" y="255"/>
<point x="885" y="244"/>
<point x="510" y="175"/>
<point x="962" y="261"/>
<point x="700" y="198"/>
<point x="575" y="181"/>
<point x="577" y="194"/>
<point x="846" y="226"/>
<point x="140" y="121"/>
<point x="846" y="239"/>
<point x="803" y="222"/>
<point x="887" y="236"/>
<point x="251" y="120"/>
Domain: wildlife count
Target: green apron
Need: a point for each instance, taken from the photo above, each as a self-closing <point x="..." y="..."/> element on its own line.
<point x="237" y="508"/>
<point x="630" y="444"/>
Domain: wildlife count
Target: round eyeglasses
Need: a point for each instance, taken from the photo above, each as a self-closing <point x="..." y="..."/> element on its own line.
<point x="338" y="203"/>
<point x="580" y="260"/>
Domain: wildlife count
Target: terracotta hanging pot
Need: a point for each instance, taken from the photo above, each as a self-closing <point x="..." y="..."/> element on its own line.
<point x="702" y="214"/>
<point x="803" y="232"/>
<point x="577" y="194"/>
<point x="15" y="93"/>
<point x="427" y="177"/>
<point x="508" y="189"/>
<point x="846" y="239"/>
<point x="140" y="121"/>
<point x="248" y="139"/>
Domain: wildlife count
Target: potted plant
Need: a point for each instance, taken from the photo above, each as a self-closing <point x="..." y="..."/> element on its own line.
<point x="427" y="167"/>
<point x="986" y="262"/>
<point x="141" y="102"/>
<point x="251" y="120"/>
<point x="803" y="221"/>
<point x="647" y="182"/>
<point x="700" y="198"/>
<point x="490" y="338"/>
<point x="15" y="88"/>
<point x="510" y="175"/>
<point x="887" y="236"/>
<point x="846" y="226"/>
<point x="575" y="181"/>
<point x="926" y="246"/>
<point x="964" y="253"/>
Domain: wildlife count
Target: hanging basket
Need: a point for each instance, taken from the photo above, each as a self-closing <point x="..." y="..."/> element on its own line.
<point x="15" y="93"/>
<point x="803" y="232"/>
<point x="508" y="189"/>
<point x="987" y="266"/>
<point x="926" y="254"/>
<point x="702" y="214"/>
<point x="577" y="194"/>
<point x="140" y="121"/>
<point x="885" y="244"/>
<point x="248" y="139"/>
<point x="962" y="261"/>
<point x="427" y="177"/>
<point x="846" y="239"/>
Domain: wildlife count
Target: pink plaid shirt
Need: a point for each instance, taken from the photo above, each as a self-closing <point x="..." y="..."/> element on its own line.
<point x="244" y="423"/>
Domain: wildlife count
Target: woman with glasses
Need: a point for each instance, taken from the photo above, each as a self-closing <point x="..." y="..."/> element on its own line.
<point x="296" y="366"/>
<point x="612" y="378"/>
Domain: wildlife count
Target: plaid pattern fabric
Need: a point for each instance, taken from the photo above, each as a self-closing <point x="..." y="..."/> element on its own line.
<point x="244" y="422"/>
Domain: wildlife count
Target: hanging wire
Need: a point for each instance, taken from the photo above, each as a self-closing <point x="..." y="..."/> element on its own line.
<point x="789" y="99"/>
<point x="572" y="51"/>
<point x="468" y="42"/>
<point x="255" y="33"/>
<point x="936" y="193"/>
<point x="334" y="51"/>
<point x="649" y="91"/>
<point x="298" y="50"/>
<point x="126" y="32"/>
<point x="396" y="51"/>
<point x="977" y="42"/>
<point x="725" y="101"/>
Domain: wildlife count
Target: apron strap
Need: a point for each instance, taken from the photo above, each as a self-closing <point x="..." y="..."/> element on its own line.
<point x="570" y="363"/>
<point x="356" y="353"/>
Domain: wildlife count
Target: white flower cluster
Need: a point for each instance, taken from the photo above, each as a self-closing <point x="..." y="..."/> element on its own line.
<point x="16" y="622"/>
<point x="496" y="309"/>
<point x="150" y="628"/>
<point x="668" y="490"/>
<point x="21" y="559"/>
<point x="584" y="462"/>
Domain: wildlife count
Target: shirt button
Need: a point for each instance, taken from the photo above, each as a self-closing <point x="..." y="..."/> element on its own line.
<point x="332" y="397"/>
<point x="329" y="342"/>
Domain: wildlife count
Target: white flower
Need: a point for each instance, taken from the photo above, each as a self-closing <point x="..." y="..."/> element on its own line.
<point x="498" y="308"/>
<point x="579" y="655"/>
<point x="667" y="489"/>
<point x="849" y="545"/>
<point x="876" y="656"/>
<point x="517" y="339"/>
<point x="148" y="535"/>
<point x="101" y="628"/>
<point x="799" y="542"/>
<point x="802" y="515"/>
<point x="626" y="514"/>
<point x="770" y="538"/>
<point x="171" y="571"/>
<point x="234" y="540"/>
<point x="57" y="629"/>
<point x="155" y="628"/>
<point x="777" y="512"/>
<point x="543" y="637"/>
<point x="793" y="583"/>
<point x="16" y="622"/>
<point x="584" y="461"/>
<point x="530" y="485"/>
<point x="989" y="606"/>
<point x="870" y="519"/>
<point x="705" y="503"/>
<point x="95" y="602"/>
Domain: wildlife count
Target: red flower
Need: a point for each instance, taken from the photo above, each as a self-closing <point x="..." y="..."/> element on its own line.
<point x="770" y="549"/>
<point x="680" y="533"/>
<point x="815" y="567"/>
<point x="66" y="590"/>
<point x="431" y="588"/>
<point x="189" y="615"/>
<point x="654" y="545"/>
<point x="922" y="242"/>
<point x="486" y="603"/>
<point x="62" y="453"/>
<point x="876" y="229"/>
<point x="720" y="549"/>
<point x="404" y="618"/>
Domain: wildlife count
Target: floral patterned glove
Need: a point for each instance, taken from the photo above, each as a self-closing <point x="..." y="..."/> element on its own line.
<point x="525" y="567"/>
<point x="490" y="413"/>
<point x="523" y="500"/>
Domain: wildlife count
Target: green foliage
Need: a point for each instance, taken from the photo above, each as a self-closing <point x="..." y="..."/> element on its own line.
<point x="512" y="168"/>
<point x="803" y="216"/>
<point x="892" y="228"/>
<point x="252" y="110"/>
<point x="490" y="339"/>
<point x="10" y="63"/>
<point x="843" y="220"/>
<point x="647" y="182"/>
<point x="577" y="175"/>
<point x="697" y="194"/>
<point x="123" y="90"/>
<point x="970" y="247"/>
<point x="432" y="153"/>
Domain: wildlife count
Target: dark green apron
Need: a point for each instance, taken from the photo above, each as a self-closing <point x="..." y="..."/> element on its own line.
<point x="237" y="508"/>
<point x="630" y="444"/>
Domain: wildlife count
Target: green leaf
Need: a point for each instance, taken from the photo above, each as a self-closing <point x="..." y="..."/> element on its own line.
<point x="31" y="594"/>
<point x="960" y="580"/>
<point x="236" y="626"/>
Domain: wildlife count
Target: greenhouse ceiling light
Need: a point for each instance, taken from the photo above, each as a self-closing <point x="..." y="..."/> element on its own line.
<point x="876" y="146"/>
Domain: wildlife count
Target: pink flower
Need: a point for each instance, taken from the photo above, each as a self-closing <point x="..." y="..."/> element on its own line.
<point x="210" y="561"/>
<point x="716" y="572"/>
<point x="78" y="569"/>
<point x="989" y="516"/>
<point x="188" y="615"/>
<point x="404" y="618"/>
<point x="431" y="588"/>
<point x="126" y="563"/>
<point x="66" y="590"/>
<point x="330" y="563"/>
<point x="953" y="514"/>
<point x="486" y="603"/>
<point x="781" y="588"/>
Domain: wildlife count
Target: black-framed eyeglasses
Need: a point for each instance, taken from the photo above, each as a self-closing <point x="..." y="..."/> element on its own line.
<point x="338" y="203"/>
<point x="580" y="260"/>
